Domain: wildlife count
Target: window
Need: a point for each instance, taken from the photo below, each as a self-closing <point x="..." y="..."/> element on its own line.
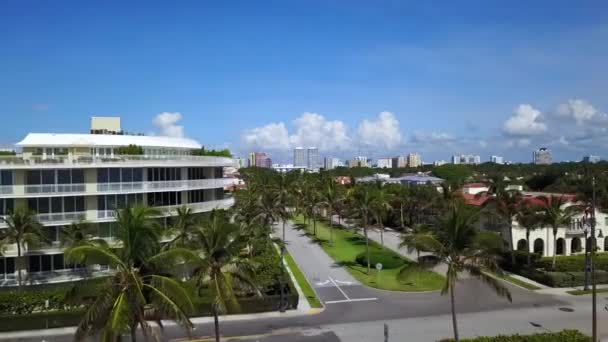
<point x="48" y="176"/>
<point x="115" y="175"/>
<point x="33" y="177"/>
<point x="6" y="177"/>
<point x="58" y="262"/>
<point x="605" y="220"/>
<point x="77" y="176"/>
<point x="7" y="265"/>
<point x="63" y="176"/>
<point x="6" y="206"/>
<point x="102" y="175"/>
<point x="34" y="263"/>
<point x="46" y="263"/>
<point x="56" y="204"/>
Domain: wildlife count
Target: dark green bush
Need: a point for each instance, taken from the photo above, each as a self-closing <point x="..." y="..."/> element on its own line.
<point x="563" y="279"/>
<point x="562" y="336"/>
<point x="573" y="263"/>
<point x="386" y="258"/>
<point x="521" y="260"/>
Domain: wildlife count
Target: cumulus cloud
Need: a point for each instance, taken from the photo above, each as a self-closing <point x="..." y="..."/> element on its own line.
<point x="272" y="136"/>
<point x="167" y="122"/>
<point x="432" y="137"/>
<point x="384" y="131"/>
<point x="313" y="129"/>
<point x="581" y="112"/>
<point x="526" y="121"/>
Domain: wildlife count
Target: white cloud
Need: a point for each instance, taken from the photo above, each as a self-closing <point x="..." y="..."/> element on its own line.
<point x="382" y="132"/>
<point x="526" y="120"/>
<point x="313" y="129"/>
<point x="433" y="137"/>
<point x="273" y="136"/>
<point x="581" y="111"/>
<point x="521" y="142"/>
<point x="167" y="123"/>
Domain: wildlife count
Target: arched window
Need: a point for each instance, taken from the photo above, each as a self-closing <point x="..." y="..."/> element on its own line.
<point x="606" y="244"/>
<point x="539" y="246"/>
<point x="522" y="245"/>
<point x="575" y="245"/>
<point x="560" y="247"/>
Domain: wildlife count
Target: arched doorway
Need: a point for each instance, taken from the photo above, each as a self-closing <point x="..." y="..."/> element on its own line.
<point x="560" y="246"/>
<point x="590" y="243"/>
<point x="539" y="246"/>
<point x="575" y="245"/>
<point x="605" y="244"/>
<point x="522" y="245"/>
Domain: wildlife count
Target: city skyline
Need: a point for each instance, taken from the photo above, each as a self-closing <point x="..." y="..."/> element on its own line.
<point x="451" y="88"/>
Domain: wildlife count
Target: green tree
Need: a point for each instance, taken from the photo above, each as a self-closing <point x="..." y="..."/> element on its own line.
<point x="530" y="218"/>
<point x="380" y="209"/>
<point x="23" y="229"/>
<point x="182" y="226"/>
<point x="362" y="206"/>
<point x="139" y="289"/>
<point x="76" y="234"/>
<point x="463" y="248"/>
<point x="557" y="214"/>
<point x="130" y="150"/>
<point x="222" y="268"/>
<point x="330" y="196"/>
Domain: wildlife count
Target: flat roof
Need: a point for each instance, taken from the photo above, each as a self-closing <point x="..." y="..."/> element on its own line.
<point x="105" y="140"/>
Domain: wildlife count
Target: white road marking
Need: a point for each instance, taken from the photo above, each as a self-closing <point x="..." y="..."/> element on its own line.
<point x="343" y="282"/>
<point x="322" y="283"/>
<point x="338" y="287"/>
<point x="350" y="300"/>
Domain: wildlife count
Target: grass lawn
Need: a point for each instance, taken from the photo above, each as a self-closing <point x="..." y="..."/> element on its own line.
<point x="309" y="292"/>
<point x="516" y="281"/>
<point x="347" y="245"/>
<point x="582" y="292"/>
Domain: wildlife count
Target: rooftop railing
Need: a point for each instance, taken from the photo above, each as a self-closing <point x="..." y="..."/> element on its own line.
<point x="85" y="160"/>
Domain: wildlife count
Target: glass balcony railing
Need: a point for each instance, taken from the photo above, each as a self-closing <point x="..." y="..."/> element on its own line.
<point x="53" y="188"/>
<point x="78" y="161"/>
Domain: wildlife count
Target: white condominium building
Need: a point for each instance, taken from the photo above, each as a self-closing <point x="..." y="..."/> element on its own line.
<point x="66" y="178"/>
<point x="385" y="163"/>
<point x="414" y="160"/>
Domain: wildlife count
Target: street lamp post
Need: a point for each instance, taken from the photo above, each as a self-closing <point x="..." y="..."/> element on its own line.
<point x="589" y="221"/>
<point x="587" y="269"/>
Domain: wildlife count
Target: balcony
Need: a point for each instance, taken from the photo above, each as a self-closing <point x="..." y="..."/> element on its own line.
<point x="171" y="209"/>
<point x="51" y="190"/>
<point x="20" y="162"/>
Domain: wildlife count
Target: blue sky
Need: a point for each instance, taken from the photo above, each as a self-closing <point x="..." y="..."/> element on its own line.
<point x="378" y="78"/>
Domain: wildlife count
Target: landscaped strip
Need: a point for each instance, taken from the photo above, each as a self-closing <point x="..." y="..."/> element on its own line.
<point x="308" y="291"/>
<point x="585" y="292"/>
<point x="347" y="245"/>
<point x="516" y="281"/>
<point x="562" y="336"/>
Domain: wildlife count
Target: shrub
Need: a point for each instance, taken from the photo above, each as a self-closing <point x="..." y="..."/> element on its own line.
<point x="387" y="259"/>
<point x="573" y="263"/>
<point x="562" y="336"/>
<point x="563" y="279"/>
<point x="521" y="260"/>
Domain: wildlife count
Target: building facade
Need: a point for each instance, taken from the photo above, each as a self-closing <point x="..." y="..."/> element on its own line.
<point x="591" y="159"/>
<point x="414" y="160"/>
<point x="331" y="163"/>
<point x="67" y="178"/>
<point x="497" y="160"/>
<point x="542" y="156"/>
<point x="399" y="162"/>
<point x="385" y="163"/>
<point x="262" y="160"/>
<point x="359" y="161"/>
<point x="470" y="159"/>
<point x="306" y="157"/>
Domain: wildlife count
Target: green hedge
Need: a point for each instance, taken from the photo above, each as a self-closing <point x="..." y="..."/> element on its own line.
<point x="573" y="263"/>
<point x="388" y="259"/>
<point x="563" y="279"/>
<point x="562" y="336"/>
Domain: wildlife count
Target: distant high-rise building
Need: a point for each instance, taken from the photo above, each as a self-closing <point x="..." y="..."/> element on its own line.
<point x="331" y="163"/>
<point x="399" y="161"/>
<point x="308" y="158"/>
<point x="300" y="158"/>
<point x="385" y="162"/>
<point x="312" y="158"/>
<point x="262" y="160"/>
<point x="591" y="159"/>
<point x="414" y="160"/>
<point x="470" y="159"/>
<point x="542" y="156"/>
<point x="439" y="162"/>
<point x="251" y="159"/>
<point x="358" y="162"/>
<point x="497" y="160"/>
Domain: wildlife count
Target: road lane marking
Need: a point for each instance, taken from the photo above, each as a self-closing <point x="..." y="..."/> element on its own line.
<point x="343" y="282"/>
<point x="338" y="287"/>
<point x="350" y="300"/>
<point x="322" y="283"/>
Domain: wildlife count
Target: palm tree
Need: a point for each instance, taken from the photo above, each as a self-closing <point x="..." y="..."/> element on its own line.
<point x="183" y="224"/>
<point x="380" y="208"/>
<point x="408" y="239"/>
<point x="221" y="267"/>
<point x="282" y="195"/>
<point x="463" y="248"/>
<point x="362" y="199"/>
<point x="401" y="198"/>
<point x="503" y="203"/>
<point x="76" y="234"/>
<point x="22" y="229"/>
<point x="556" y="215"/>
<point x="529" y="217"/>
<point x="330" y="198"/>
<point x="139" y="290"/>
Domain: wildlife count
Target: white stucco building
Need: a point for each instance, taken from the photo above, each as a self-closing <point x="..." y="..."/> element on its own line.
<point x="66" y="178"/>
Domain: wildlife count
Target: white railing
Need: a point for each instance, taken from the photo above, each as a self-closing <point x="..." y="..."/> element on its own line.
<point x="43" y="161"/>
<point x="62" y="217"/>
<point x="171" y="209"/>
<point x="54" y="188"/>
<point x="6" y="189"/>
<point x="165" y="185"/>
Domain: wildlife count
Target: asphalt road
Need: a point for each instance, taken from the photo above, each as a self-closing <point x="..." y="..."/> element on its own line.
<point x="351" y="306"/>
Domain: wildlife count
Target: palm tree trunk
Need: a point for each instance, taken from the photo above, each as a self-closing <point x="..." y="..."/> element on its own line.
<point x="134" y="333"/>
<point x="555" y="249"/>
<point x="528" y="244"/>
<point x="381" y="234"/>
<point x="216" y="323"/>
<point x="283" y="232"/>
<point x="19" y="259"/>
<point x="331" y="226"/>
<point x="454" y="321"/>
<point x="314" y="224"/>
<point x="511" y="247"/>
<point x="401" y="217"/>
<point x="366" y="244"/>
